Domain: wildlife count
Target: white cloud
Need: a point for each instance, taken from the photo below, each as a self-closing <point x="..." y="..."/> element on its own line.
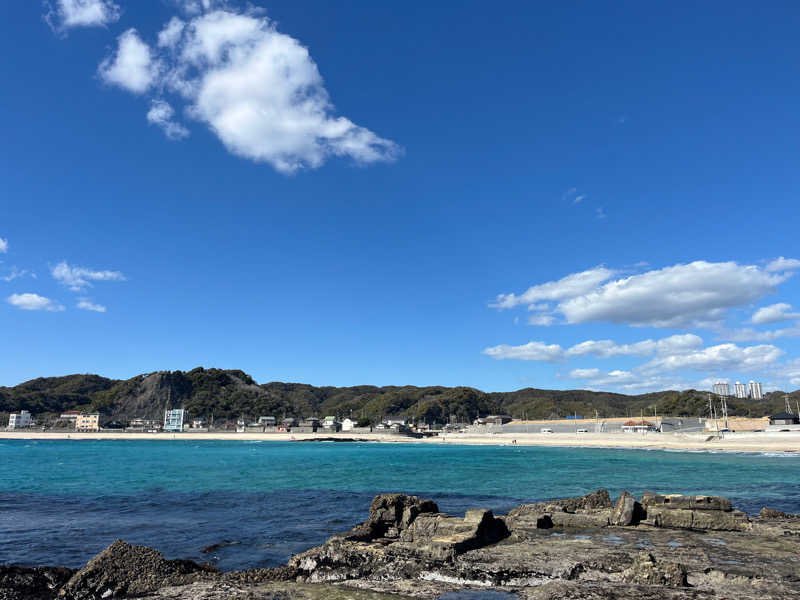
<point x="258" y="90"/>
<point x="86" y="304"/>
<point x="566" y="287"/>
<point x="774" y="313"/>
<point x="541" y="351"/>
<point x="539" y="306"/>
<point x="531" y="351"/>
<point x="161" y="114"/>
<point x="16" y="273"/>
<point x="674" y="344"/>
<point x="196" y="7"/>
<point x="748" y="334"/>
<point x="720" y="357"/>
<point x="170" y="35"/>
<point x="133" y="67"/>
<point x="542" y="320"/>
<point x="630" y="382"/>
<point x="783" y="264"/>
<point x="3" y="245"/>
<point x="695" y="294"/>
<point x="33" y="302"/>
<point x="584" y="373"/>
<point x="678" y="296"/>
<point x="82" y="13"/>
<point x="600" y="213"/>
<point x="78" y="278"/>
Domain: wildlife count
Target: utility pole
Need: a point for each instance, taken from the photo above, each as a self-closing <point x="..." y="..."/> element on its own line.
<point x="725" y="410"/>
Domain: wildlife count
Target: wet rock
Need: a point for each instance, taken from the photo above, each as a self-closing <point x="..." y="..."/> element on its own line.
<point x="124" y="570"/>
<point x="624" y="510"/>
<point x="31" y="583"/>
<point x="591" y="510"/>
<point x="698" y="519"/>
<point x="679" y="502"/>
<point x="443" y="537"/>
<point x="595" y="500"/>
<point x="645" y="570"/>
<point x="389" y="514"/>
<point x="218" y="546"/>
<point x="771" y="513"/>
<point x="580" y="520"/>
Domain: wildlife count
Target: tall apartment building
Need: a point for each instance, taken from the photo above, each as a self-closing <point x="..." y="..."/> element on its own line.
<point x="721" y="388"/>
<point x="19" y="420"/>
<point x="173" y="420"/>
<point x="755" y="390"/>
<point x="740" y="390"/>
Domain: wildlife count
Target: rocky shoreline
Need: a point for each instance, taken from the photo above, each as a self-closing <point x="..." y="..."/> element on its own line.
<point x="588" y="547"/>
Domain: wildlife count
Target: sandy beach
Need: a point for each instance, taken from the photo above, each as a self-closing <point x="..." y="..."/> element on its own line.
<point x="735" y="442"/>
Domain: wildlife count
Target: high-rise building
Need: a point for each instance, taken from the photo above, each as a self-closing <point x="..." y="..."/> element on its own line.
<point x="173" y="420"/>
<point x="755" y="390"/>
<point x="721" y="388"/>
<point x="740" y="390"/>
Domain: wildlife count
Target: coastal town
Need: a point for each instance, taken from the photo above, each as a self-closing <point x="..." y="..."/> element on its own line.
<point x="177" y="421"/>
<point x="715" y="419"/>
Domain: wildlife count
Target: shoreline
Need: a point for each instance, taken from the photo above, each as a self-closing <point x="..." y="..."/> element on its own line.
<point x="756" y="442"/>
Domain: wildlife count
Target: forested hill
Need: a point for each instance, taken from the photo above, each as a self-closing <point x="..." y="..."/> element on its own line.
<point x="229" y="394"/>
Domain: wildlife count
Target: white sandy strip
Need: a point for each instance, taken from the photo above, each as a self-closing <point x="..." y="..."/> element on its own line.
<point x="737" y="442"/>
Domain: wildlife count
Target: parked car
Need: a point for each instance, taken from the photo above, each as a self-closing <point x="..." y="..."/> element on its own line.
<point x="546" y="430"/>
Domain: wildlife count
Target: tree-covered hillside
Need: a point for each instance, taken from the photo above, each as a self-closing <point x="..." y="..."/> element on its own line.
<point x="228" y="394"/>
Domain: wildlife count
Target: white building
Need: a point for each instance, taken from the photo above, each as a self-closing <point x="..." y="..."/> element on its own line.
<point x="348" y="424"/>
<point x="19" y="420"/>
<point x="173" y="420"/>
<point x="740" y="390"/>
<point x="755" y="390"/>
<point x="721" y="388"/>
<point x="331" y="423"/>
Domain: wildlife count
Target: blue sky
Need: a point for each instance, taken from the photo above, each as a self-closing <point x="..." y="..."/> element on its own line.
<point x="520" y="194"/>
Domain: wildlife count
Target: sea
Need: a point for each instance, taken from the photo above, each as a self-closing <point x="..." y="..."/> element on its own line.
<point x="63" y="501"/>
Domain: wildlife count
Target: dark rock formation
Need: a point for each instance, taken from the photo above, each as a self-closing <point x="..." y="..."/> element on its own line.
<point x="771" y="513"/>
<point x="124" y="570"/>
<point x="31" y="583"/>
<point x="705" y="513"/>
<point x="624" y="511"/>
<point x="583" y="548"/>
<point x="218" y="546"/>
<point x="586" y="545"/>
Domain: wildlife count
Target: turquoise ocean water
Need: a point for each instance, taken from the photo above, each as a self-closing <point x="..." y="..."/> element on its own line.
<point x="63" y="501"/>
